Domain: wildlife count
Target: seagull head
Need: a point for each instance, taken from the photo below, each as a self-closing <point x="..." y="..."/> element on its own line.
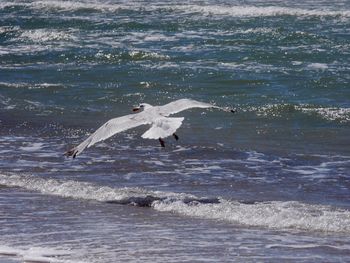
<point x="142" y="107"/>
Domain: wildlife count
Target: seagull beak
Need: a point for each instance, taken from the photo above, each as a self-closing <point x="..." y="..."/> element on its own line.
<point x="136" y="109"/>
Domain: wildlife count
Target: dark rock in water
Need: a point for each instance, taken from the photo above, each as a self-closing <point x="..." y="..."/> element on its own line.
<point x="147" y="201"/>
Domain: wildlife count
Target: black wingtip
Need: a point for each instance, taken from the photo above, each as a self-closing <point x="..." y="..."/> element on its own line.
<point x="232" y="110"/>
<point x="72" y="152"/>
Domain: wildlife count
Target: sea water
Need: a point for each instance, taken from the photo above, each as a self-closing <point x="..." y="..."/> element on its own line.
<point x="269" y="183"/>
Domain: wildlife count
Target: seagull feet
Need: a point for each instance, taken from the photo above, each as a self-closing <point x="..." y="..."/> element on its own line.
<point x="162" y="143"/>
<point x="176" y="137"/>
<point x="72" y="152"/>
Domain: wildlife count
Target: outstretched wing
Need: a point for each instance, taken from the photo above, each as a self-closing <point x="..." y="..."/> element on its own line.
<point x="184" y="104"/>
<point x="107" y="130"/>
<point x="162" y="128"/>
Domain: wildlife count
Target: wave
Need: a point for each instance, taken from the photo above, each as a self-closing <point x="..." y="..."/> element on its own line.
<point x="226" y="10"/>
<point x="27" y="85"/>
<point x="258" y="11"/>
<point x="87" y="191"/>
<point x="144" y="55"/>
<point x="35" y="254"/>
<point x="275" y="214"/>
<point x="45" y="35"/>
<point x="318" y="66"/>
<point x="339" y="114"/>
<point x="63" y="5"/>
<point x="132" y="55"/>
<point x="6" y="103"/>
<point x="9" y="29"/>
<point x="329" y="113"/>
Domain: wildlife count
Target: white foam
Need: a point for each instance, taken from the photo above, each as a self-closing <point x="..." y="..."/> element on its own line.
<point x="6" y="102"/>
<point x="157" y="37"/>
<point x="306" y="246"/>
<point x="318" y="66"/>
<point x="81" y="190"/>
<point x="258" y="30"/>
<point x="181" y="149"/>
<point x="66" y="5"/>
<point x="258" y="11"/>
<point x="328" y="113"/>
<point x="19" y="85"/>
<point x="45" y="35"/>
<point x="136" y="54"/>
<point x="6" y="29"/>
<point x="229" y="65"/>
<point x="297" y="63"/>
<point x="229" y="10"/>
<point x="5" y="250"/>
<point x="32" y="147"/>
<point x="36" y="254"/>
<point x="155" y="162"/>
<point x="275" y="214"/>
<point x="276" y="110"/>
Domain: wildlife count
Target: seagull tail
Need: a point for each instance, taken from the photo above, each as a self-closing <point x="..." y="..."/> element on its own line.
<point x="72" y="152"/>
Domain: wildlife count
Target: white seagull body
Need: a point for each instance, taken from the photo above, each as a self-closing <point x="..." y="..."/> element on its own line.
<point x="162" y="126"/>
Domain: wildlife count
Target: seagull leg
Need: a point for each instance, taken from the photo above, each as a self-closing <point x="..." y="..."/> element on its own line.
<point x="176" y="137"/>
<point x="162" y="143"/>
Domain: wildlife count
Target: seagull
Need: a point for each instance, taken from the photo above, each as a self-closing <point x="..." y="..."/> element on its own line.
<point x="162" y="126"/>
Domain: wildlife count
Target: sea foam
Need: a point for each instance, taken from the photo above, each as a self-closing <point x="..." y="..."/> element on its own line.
<point x="258" y="11"/>
<point x="35" y="254"/>
<point x="230" y="10"/>
<point x="339" y="114"/>
<point x="274" y="215"/>
<point x="45" y="35"/>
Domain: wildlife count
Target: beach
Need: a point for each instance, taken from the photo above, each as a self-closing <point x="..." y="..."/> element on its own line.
<point x="269" y="183"/>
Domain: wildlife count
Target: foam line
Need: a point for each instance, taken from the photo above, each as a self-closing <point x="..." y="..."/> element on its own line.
<point x="274" y="214"/>
<point x="227" y="10"/>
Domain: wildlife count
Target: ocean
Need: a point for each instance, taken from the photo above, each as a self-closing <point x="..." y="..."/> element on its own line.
<point x="270" y="183"/>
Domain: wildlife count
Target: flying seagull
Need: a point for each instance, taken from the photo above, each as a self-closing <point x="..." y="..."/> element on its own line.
<point x="162" y="126"/>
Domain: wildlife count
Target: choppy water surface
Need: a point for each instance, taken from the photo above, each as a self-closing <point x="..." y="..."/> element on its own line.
<point x="269" y="183"/>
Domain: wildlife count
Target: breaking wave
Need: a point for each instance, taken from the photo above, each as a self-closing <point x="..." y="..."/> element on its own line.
<point x="254" y="11"/>
<point x="329" y="113"/>
<point x="227" y="10"/>
<point x="45" y="35"/>
<point x="339" y="114"/>
<point x="275" y="214"/>
<point x="36" y="254"/>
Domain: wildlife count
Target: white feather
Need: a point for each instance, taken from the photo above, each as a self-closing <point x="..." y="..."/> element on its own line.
<point x="162" y="128"/>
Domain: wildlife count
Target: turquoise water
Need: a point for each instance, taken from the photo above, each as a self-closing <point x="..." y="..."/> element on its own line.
<point x="268" y="183"/>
